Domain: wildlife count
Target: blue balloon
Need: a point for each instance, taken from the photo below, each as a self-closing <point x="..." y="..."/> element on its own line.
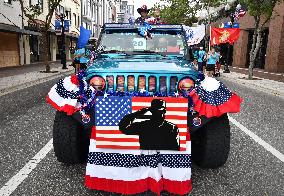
<point x="227" y="25"/>
<point x="236" y="25"/>
<point x="83" y="38"/>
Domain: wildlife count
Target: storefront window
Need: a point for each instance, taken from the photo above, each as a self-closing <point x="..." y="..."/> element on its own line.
<point x="34" y="52"/>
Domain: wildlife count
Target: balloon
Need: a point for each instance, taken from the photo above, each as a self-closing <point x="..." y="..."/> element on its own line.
<point x="236" y="25"/>
<point x="84" y="37"/>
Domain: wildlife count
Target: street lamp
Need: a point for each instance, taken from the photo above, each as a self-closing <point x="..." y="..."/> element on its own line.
<point x="63" y="52"/>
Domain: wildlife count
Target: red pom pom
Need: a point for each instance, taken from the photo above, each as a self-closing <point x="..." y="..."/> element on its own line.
<point x="74" y="79"/>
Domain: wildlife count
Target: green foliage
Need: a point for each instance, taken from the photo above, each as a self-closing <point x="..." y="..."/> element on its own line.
<point x="33" y="11"/>
<point x="185" y="11"/>
<point x="211" y="3"/>
<point x="178" y="12"/>
<point x="261" y="8"/>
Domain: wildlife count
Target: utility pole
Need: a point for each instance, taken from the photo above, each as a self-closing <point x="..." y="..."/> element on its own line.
<point x="63" y="52"/>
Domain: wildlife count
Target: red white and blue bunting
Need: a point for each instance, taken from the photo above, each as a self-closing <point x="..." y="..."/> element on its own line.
<point x="136" y="171"/>
<point x="212" y="99"/>
<point x="209" y="98"/>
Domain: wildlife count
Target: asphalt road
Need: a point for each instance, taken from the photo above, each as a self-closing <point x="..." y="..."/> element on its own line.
<point x="26" y="126"/>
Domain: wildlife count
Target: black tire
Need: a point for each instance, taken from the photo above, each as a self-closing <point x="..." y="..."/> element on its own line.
<point x="70" y="140"/>
<point x="211" y="144"/>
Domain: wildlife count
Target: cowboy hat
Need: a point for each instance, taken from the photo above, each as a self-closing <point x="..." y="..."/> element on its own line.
<point x="143" y="8"/>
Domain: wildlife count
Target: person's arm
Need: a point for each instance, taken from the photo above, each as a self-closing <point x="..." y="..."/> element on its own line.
<point x="127" y="126"/>
<point x="176" y="132"/>
<point x="208" y="56"/>
<point x="79" y="53"/>
<point x="139" y="20"/>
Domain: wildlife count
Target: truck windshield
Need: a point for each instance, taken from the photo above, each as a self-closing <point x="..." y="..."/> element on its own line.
<point x="169" y="42"/>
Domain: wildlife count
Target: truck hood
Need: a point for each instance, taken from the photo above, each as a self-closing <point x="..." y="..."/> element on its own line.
<point x="140" y="65"/>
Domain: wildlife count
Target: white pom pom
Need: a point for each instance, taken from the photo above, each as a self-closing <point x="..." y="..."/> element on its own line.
<point x="210" y="84"/>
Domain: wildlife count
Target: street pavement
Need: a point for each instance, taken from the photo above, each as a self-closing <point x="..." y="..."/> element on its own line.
<point x="251" y="170"/>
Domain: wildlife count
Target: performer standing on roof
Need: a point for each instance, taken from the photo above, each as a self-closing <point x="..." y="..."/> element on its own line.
<point x="157" y="16"/>
<point x="144" y="11"/>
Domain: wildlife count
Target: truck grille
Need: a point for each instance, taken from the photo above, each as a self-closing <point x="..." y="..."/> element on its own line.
<point x="162" y="84"/>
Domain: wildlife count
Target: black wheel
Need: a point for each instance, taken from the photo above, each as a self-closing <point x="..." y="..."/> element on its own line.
<point x="211" y="144"/>
<point x="70" y="140"/>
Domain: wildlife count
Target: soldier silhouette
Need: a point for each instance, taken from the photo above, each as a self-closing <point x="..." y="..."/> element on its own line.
<point x="155" y="133"/>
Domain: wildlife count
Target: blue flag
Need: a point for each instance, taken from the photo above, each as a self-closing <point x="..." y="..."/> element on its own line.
<point x="84" y="37"/>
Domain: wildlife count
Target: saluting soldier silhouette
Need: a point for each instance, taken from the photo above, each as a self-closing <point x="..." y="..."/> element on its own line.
<point x="155" y="133"/>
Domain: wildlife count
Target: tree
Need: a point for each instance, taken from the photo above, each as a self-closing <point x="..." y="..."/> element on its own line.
<point x="34" y="11"/>
<point x="207" y="5"/>
<point x="178" y="12"/>
<point x="262" y="12"/>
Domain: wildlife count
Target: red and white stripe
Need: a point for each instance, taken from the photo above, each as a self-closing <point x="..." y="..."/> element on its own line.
<point x="61" y="104"/>
<point x="138" y="179"/>
<point x="111" y="137"/>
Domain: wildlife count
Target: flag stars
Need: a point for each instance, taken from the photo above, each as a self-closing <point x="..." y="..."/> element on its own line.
<point x="112" y="110"/>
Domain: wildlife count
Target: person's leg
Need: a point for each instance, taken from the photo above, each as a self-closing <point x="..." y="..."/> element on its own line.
<point x="210" y="69"/>
<point x="204" y="66"/>
<point x="83" y="66"/>
<point x="77" y="67"/>
<point x="200" y="66"/>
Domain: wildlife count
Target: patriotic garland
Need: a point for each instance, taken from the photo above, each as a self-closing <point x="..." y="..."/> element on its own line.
<point x="209" y="97"/>
<point x="144" y="31"/>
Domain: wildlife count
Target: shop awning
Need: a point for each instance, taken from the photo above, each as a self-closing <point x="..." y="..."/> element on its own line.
<point x="15" y="29"/>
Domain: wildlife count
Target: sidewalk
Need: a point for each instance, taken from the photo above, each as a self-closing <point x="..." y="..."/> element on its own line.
<point x="11" y="71"/>
<point x="266" y="85"/>
<point x="260" y="73"/>
<point x="16" y="78"/>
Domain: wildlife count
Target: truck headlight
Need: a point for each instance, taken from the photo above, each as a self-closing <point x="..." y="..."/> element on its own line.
<point x="98" y="83"/>
<point x="185" y="84"/>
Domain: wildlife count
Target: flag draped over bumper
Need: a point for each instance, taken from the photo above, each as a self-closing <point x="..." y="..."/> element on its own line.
<point x="137" y="171"/>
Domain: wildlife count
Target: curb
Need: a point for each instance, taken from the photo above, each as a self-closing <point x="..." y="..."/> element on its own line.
<point x="24" y="85"/>
<point x="254" y="86"/>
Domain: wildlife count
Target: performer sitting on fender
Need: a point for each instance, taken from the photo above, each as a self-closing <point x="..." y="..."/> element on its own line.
<point x="154" y="134"/>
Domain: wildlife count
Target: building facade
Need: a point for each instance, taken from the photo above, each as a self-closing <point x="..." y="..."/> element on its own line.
<point x="271" y="55"/>
<point x="12" y="34"/>
<point x="97" y="12"/>
<point x="71" y="9"/>
<point x="125" y="10"/>
<point x="21" y="37"/>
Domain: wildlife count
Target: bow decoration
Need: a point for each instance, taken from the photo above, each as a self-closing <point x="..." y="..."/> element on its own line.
<point x="144" y="30"/>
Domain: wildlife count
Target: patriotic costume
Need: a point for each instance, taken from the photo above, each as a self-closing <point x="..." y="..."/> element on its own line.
<point x="212" y="99"/>
<point x="132" y="171"/>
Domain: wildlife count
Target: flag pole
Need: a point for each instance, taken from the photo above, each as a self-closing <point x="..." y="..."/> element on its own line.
<point x="210" y="38"/>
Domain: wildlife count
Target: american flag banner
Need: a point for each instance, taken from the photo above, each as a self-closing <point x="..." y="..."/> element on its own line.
<point x="133" y="171"/>
<point x="109" y="111"/>
<point x="239" y="13"/>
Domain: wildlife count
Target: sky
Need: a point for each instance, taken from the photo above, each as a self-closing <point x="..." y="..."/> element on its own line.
<point x="139" y="3"/>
